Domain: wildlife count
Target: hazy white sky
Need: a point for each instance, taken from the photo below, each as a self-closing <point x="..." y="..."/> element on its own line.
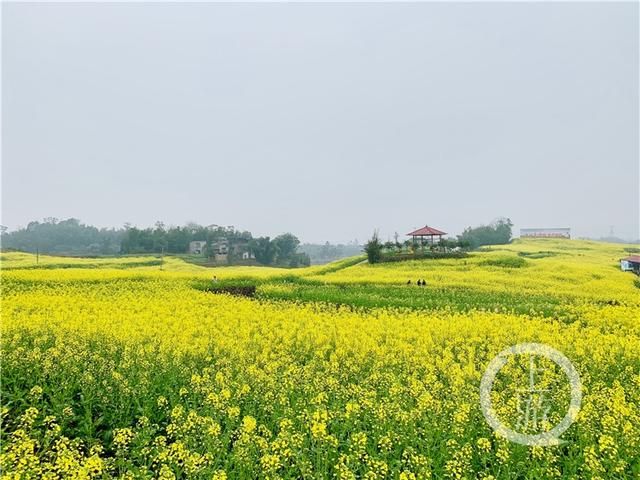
<point x="321" y="119"/>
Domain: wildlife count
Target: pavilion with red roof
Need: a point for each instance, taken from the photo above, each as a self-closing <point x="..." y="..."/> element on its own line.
<point x="429" y="232"/>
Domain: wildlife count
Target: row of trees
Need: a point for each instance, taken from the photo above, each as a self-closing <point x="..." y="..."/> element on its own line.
<point x="281" y="251"/>
<point x="75" y="238"/>
<point x="498" y="232"/>
<point x="64" y="236"/>
<point x="72" y="237"/>
<point x="160" y="238"/>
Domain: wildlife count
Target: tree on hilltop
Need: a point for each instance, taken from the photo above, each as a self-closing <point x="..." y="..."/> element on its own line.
<point x="373" y="248"/>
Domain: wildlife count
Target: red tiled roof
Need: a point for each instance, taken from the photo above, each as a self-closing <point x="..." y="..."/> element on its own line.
<point x="633" y="258"/>
<point x="426" y="230"/>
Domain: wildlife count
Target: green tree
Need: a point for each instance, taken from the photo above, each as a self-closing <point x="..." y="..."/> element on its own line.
<point x="497" y="233"/>
<point x="264" y="250"/>
<point x="68" y="236"/>
<point x="286" y="246"/>
<point x="300" y="260"/>
<point x="373" y="248"/>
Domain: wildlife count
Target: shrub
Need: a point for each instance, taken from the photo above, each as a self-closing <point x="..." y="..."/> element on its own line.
<point x="400" y="257"/>
<point x="505" y="262"/>
<point x="541" y="254"/>
<point x="373" y="249"/>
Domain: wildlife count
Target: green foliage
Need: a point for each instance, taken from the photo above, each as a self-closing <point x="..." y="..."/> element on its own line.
<point x="71" y="237"/>
<point x="286" y="246"/>
<point x="404" y="296"/>
<point x="177" y="239"/>
<point x="373" y="249"/>
<point x="505" y="262"/>
<point x="299" y="260"/>
<point x="542" y="254"/>
<point x="264" y="250"/>
<point x="498" y="233"/>
<point x="421" y="255"/>
<point x="449" y="243"/>
<point x="63" y="236"/>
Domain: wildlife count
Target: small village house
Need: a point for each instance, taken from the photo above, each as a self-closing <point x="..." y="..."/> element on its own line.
<point x="223" y="250"/>
<point x="240" y="249"/>
<point x="197" y="247"/>
<point x="220" y="251"/>
<point x="630" y="264"/>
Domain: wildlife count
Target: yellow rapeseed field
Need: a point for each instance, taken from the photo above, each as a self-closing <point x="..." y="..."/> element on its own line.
<point x="577" y="269"/>
<point x="128" y="371"/>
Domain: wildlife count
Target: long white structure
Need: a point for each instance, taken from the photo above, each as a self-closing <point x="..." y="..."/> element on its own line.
<point x="545" y="233"/>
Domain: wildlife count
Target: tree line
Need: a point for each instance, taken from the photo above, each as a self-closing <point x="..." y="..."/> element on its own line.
<point x="68" y="236"/>
<point x="71" y="237"/>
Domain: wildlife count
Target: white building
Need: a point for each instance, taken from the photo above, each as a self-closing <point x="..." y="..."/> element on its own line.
<point x="630" y="264"/>
<point x="197" y="247"/>
<point x="545" y="233"/>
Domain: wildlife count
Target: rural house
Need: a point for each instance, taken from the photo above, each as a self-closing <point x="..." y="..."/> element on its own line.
<point x="197" y="247"/>
<point x="240" y="249"/>
<point x="222" y="250"/>
<point x="630" y="264"/>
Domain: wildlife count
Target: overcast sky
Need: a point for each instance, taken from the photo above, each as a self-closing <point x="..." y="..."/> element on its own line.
<point x="324" y="120"/>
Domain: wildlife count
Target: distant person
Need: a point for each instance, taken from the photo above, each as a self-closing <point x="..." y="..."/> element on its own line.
<point x="424" y="282"/>
<point x="214" y="279"/>
<point x="409" y="282"/>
